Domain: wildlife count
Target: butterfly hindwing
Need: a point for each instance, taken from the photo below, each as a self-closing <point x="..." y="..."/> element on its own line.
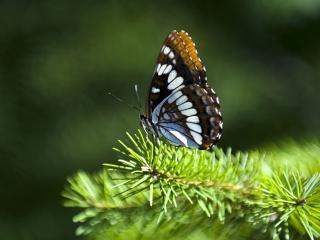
<point x="190" y="117"/>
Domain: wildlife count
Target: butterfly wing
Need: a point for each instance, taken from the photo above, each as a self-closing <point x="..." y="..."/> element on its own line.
<point x="190" y="117"/>
<point x="178" y="65"/>
<point x="181" y="107"/>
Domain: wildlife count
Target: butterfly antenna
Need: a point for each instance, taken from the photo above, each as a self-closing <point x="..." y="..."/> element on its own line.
<point x="123" y="102"/>
<point x="137" y="95"/>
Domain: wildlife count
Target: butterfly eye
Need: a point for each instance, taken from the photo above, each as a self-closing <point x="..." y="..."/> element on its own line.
<point x="181" y="108"/>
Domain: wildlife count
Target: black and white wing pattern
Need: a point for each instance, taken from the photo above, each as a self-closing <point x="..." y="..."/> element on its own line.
<point x="177" y="65"/>
<point x="181" y="107"/>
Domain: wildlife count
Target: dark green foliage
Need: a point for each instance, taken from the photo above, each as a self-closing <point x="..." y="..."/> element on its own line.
<point x="177" y="192"/>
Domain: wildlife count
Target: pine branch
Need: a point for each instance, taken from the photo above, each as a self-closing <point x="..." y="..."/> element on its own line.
<point x="165" y="184"/>
<point x="291" y="198"/>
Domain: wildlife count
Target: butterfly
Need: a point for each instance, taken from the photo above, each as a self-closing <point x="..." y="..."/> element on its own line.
<point x="181" y="108"/>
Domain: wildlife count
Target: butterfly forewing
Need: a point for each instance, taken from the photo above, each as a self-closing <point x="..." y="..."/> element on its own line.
<point x="177" y="65"/>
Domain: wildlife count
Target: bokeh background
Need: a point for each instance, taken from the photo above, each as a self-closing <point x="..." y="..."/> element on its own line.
<point x="58" y="60"/>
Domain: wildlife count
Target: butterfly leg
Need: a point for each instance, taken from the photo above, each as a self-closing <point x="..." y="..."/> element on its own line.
<point x="212" y="148"/>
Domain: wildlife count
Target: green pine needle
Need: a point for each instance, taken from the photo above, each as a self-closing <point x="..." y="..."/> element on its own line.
<point x="171" y="187"/>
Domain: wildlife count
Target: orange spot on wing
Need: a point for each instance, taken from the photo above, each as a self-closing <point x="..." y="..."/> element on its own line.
<point x="189" y="51"/>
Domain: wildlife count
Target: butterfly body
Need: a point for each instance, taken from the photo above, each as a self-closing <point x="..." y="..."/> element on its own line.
<point x="181" y="107"/>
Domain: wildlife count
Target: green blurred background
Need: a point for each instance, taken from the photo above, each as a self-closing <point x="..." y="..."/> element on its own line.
<point x="58" y="60"/>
